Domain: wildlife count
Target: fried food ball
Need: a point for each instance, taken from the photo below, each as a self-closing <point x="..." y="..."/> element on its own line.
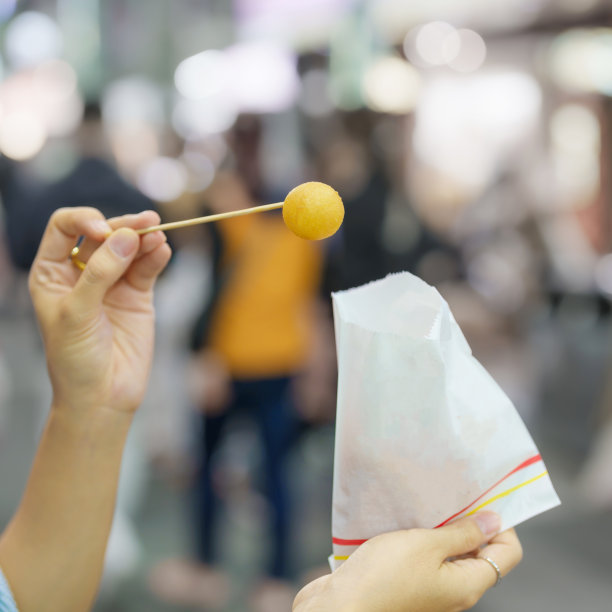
<point x="313" y="211"/>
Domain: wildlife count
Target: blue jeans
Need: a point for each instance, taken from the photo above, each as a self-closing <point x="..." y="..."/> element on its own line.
<point x="268" y="403"/>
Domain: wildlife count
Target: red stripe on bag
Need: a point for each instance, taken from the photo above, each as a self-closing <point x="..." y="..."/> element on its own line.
<point x="342" y="542"/>
<point x="518" y="468"/>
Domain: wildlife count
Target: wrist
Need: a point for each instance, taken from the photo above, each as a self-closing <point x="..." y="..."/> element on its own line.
<point x="323" y="595"/>
<point x="99" y="423"/>
<point x="86" y="403"/>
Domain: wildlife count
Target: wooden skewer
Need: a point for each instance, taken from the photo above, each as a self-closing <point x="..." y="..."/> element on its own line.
<point x="209" y="218"/>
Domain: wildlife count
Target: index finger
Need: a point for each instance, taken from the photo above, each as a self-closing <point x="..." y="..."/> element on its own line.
<point x="65" y="226"/>
<point x="140" y="220"/>
<point x="473" y="575"/>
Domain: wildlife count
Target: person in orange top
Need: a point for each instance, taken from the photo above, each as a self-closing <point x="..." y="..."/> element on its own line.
<point x="261" y="322"/>
<point x="254" y="338"/>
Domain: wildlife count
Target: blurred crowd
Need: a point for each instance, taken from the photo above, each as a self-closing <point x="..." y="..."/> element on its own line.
<point x="469" y="148"/>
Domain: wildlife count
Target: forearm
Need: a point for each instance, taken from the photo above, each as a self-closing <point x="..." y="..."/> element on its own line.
<point x="53" y="550"/>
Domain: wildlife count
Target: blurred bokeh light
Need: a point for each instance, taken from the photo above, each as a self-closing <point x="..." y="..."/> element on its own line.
<point x="27" y="27"/>
<point x="471" y="143"/>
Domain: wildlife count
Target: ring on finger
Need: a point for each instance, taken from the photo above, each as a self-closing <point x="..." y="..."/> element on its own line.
<point x="74" y="256"/>
<point x="495" y="567"/>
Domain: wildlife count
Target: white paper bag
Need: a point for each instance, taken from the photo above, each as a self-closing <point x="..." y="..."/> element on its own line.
<point x="424" y="435"/>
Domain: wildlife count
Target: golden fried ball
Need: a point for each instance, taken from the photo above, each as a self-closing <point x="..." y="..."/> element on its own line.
<point x="313" y="211"/>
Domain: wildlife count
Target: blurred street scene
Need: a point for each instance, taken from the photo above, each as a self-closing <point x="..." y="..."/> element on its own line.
<point x="472" y="146"/>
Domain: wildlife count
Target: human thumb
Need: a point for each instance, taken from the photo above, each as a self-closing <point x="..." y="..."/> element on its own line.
<point x="467" y="534"/>
<point x="105" y="267"/>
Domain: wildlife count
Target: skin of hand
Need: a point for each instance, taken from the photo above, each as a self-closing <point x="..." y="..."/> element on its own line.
<point x="417" y="570"/>
<point x="209" y="383"/>
<point x="97" y="326"/>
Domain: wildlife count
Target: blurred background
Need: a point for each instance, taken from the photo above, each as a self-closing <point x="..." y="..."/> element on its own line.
<point x="471" y="145"/>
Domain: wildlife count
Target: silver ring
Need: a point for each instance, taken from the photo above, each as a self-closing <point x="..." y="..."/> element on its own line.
<point x="495" y="567"/>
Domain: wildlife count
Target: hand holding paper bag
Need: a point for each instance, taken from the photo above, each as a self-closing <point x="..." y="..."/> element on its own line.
<point x="424" y="435"/>
<point x="421" y="570"/>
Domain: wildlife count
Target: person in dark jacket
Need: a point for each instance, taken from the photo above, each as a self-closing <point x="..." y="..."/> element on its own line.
<point x="93" y="181"/>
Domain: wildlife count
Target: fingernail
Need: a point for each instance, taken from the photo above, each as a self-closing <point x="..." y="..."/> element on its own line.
<point x="102" y="227"/>
<point x="123" y="242"/>
<point x="489" y="522"/>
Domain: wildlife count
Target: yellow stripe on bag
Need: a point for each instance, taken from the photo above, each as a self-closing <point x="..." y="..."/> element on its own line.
<point x="489" y="501"/>
<point x="505" y="493"/>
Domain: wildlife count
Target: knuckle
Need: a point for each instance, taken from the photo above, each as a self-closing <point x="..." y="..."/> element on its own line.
<point x="90" y="212"/>
<point x="405" y="539"/>
<point x="518" y="555"/>
<point x="40" y="276"/>
<point x="93" y="273"/>
<point x="468" y="536"/>
<point x="61" y="217"/>
<point x="80" y="210"/>
<point x="66" y="315"/>
<point x="66" y="312"/>
<point x="70" y="315"/>
<point x="418" y="536"/>
<point x="469" y="600"/>
<point x="70" y="214"/>
<point x="60" y="212"/>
